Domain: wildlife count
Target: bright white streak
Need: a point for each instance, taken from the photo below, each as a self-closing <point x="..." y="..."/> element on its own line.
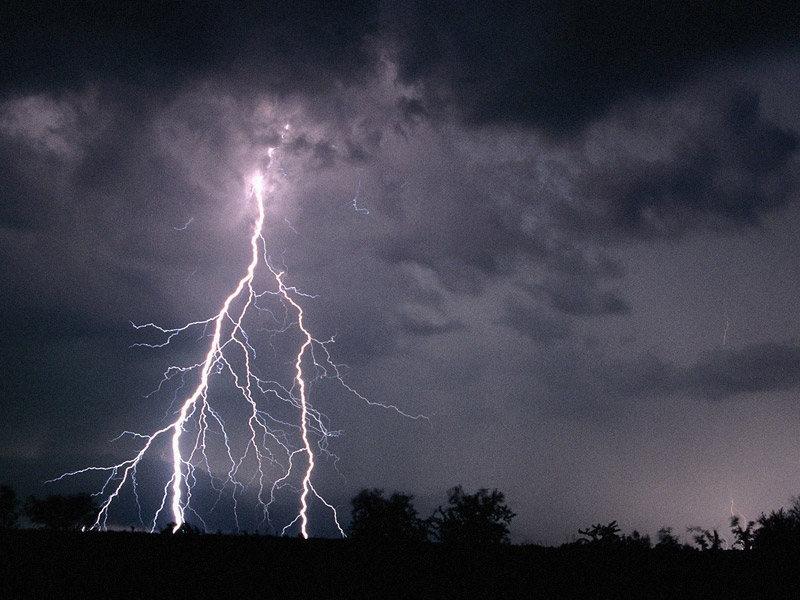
<point x="301" y="385"/>
<point x="212" y="357"/>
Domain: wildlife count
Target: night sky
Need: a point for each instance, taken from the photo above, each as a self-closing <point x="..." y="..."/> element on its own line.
<point x="580" y="257"/>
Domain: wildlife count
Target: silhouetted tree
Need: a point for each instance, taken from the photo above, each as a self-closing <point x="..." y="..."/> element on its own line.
<point x="637" y="540"/>
<point x="743" y="536"/>
<point x="8" y="507"/>
<point x="666" y="539"/>
<point x="480" y="518"/>
<point x="61" y="512"/>
<point x="780" y="530"/>
<point x="705" y="539"/>
<point x="601" y="534"/>
<point x="379" y="518"/>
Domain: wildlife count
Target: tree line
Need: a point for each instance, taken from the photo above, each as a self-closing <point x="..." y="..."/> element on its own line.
<point x="475" y="519"/>
<point x="59" y="512"/>
<point x="481" y="518"/>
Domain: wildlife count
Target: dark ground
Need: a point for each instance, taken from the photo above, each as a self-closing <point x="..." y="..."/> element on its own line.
<point x="40" y="564"/>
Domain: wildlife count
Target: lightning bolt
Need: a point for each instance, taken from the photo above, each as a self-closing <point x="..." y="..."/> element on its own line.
<point x="358" y="208"/>
<point x="727" y="323"/>
<point x="735" y="513"/>
<point x="268" y="435"/>
<point x="185" y="226"/>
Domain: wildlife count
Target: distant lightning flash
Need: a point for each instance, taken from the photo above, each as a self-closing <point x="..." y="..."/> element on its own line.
<point x="727" y="323"/>
<point x="281" y="445"/>
<point x="358" y="208"/>
<point x="185" y="226"/>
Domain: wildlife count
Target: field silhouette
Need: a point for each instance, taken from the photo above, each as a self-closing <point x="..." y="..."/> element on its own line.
<point x="51" y="564"/>
<point x="462" y="551"/>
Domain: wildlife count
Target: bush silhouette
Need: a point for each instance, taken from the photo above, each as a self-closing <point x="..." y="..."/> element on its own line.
<point x="379" y="518"/>
<point x="780" y="530"/>
<point x="705" y="539"/>
<point x="667" y="540"/>
<point x="637" y="540"/>
<point x="604" y="535"/>
<point x="61" y="512"/>
<point x="476" y="519"/>
<point x="9" y="514"/>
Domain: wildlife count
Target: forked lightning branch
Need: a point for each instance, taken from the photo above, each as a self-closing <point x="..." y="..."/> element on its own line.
<point x="262" y="434"/>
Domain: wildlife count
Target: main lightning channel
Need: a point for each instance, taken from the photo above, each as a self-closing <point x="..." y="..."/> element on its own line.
<point x="214" y="355"/>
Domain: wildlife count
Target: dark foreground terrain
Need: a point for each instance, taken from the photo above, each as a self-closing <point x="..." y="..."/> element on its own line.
<point x="40" y="564"/>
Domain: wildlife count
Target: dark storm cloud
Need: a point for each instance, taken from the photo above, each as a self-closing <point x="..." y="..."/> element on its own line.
<point x="553" y="65"/>
<point x="577" y="279"/>
<point x="568" y="297"/>
<point x="462" y="235"/>
<point x="95" y="185"/>
<point x="460" y="251"/>
<point x="757" y="368"/>
<point x="292" y="46"/>
<point x="730" y="171"/>
<point x="529" y="321"/>
<point x="582" y="385"/>
<point x="716" y="375"/>
<point x="36" y="324"/>
<point x="576" y="300"/>
<point x="559" y="65"/>
<point x="23" y="206"/>
<point x="416" y="324"/>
